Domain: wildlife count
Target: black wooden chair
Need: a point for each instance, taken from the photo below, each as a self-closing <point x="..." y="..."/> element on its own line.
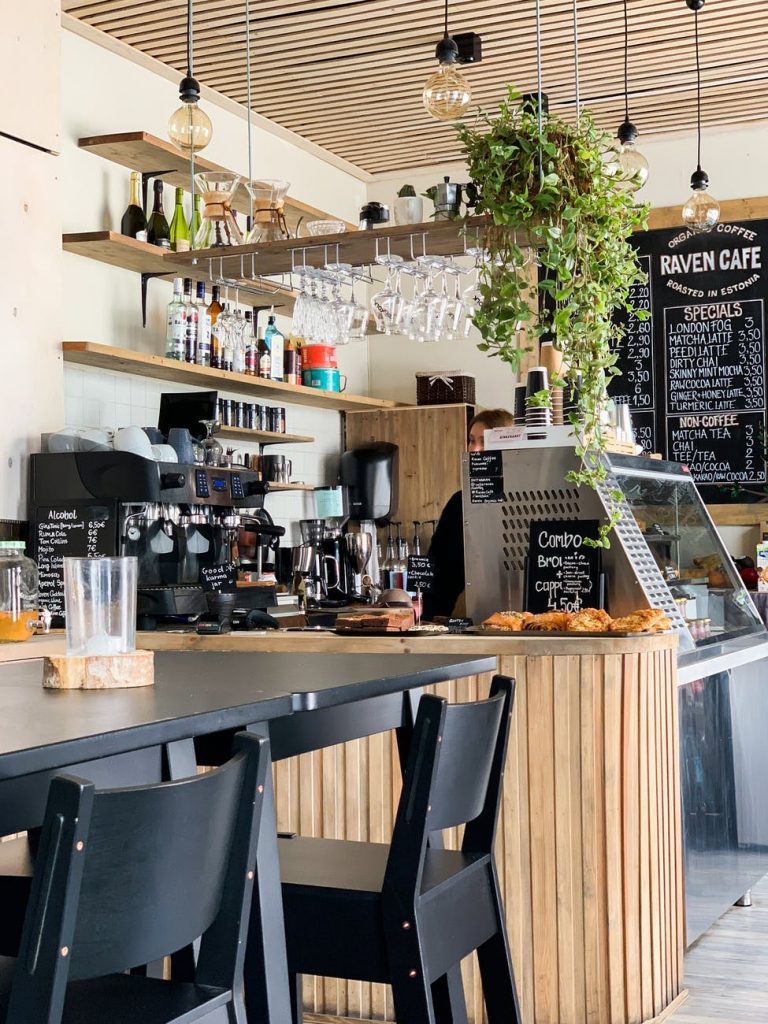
<point x="406" y="913"/>
<point x="125" y="876"/>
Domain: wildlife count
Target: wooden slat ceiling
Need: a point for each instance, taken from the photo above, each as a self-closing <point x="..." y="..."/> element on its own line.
<point x="348" y="74"/>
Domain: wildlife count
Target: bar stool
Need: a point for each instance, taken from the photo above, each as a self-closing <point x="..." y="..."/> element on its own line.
<point x="406" y="913"/>
<point x="124" y="877"/>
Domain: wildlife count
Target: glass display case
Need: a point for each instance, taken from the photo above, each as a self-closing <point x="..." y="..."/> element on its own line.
<point x="688" y="550"/>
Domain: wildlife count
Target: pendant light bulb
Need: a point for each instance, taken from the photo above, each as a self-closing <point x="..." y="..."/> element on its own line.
<point x="189" y="127"/>
<point x="447" y="93"/>
<point x="701" y="211"/>
<point x="629" y="165"/>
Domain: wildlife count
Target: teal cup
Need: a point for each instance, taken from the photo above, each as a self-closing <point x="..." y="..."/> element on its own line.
<point x="325" y="378"/>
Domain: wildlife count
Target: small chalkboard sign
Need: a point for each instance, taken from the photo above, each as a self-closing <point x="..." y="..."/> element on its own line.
<point x="486" y="478"/>
<point x="421" y="573"/>
<point x="458" y="625"/>
<point x="219" y="578"/>
<point x="562" y="573"/>
<point x="68" y="531"/>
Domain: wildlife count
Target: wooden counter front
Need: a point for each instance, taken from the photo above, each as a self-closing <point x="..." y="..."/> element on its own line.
<point x="590" y="841"/>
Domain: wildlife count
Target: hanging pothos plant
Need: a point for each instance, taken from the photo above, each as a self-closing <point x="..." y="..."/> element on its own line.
<point x="545" y="183"/>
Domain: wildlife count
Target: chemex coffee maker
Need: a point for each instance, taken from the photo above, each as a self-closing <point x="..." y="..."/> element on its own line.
<point x="177" y="519"/>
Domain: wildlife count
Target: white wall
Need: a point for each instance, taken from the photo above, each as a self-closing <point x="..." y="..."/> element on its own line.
<point x="105" y="93"/>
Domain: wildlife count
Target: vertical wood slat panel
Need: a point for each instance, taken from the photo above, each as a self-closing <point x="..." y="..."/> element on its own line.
<point x="590" y="837"/>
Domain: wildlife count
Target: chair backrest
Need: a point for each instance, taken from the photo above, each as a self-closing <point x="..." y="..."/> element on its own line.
<point x="124" y="877"/>
<point x="452" y="777"/>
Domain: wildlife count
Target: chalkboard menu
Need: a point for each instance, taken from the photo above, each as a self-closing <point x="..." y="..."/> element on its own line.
<point x="220" y="579"/>
<point x="74" y="531"/>
<point x="562" y="573"/>
<point x="421" y="573"/>
<point x="694" y="372"/>
<point x="486" y="478"/>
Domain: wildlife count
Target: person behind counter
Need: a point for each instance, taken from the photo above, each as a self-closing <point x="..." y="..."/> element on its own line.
<point x="447" y="547"/>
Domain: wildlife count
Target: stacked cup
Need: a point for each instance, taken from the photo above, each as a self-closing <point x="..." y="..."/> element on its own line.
<point x="537" y="417"/>
<point x="552" y="359"/>
<point x="519" y="406"/>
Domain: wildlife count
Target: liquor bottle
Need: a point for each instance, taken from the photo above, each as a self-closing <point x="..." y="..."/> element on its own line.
<point x="265" y="359"/>
<point x="176" y="324"/>
<point x="227" y="352"/>
<point x="291" y="371"/>
<point x="203" y="352"/>
<point x="194" y="226"/>
<point x="390" y="562"/>
<point x="158" y="232"/>
<point x="134" y="222"/>
<point x="190" y="337"/>
<point x="275" y="342"/>
<point x="251" y="344"/>
<point x="238" y="345"/>
<point x="214" y="311"/>
<point x="179" y="225"/>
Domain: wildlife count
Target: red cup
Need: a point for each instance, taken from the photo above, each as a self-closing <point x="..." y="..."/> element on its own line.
<point x="318" y="357"/>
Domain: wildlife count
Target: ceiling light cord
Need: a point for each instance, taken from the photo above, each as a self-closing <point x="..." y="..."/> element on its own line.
<point x="248" y="99"/>
<point x="576" y="57"/>
<point x="190" y="47"/>
<point x="626" y="61"/>
<point x="698" y="89"/>
<point x="539" y="75"/>
<point x="446" y="19"/>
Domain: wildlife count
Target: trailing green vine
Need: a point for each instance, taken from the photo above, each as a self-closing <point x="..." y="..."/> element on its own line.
<point x="550" y="187"/>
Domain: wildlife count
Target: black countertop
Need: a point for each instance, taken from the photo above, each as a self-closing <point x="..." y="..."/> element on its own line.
<point x="194" y="694"/>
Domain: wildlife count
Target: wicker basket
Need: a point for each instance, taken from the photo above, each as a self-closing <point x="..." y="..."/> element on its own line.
<point x="445" y="387"/>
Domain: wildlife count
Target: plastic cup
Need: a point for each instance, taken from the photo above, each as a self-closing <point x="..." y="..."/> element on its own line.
<point x="100" y="605"/>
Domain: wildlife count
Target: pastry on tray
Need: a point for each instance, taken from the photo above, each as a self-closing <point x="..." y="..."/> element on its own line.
<point x="549" y="622"/>
<point x="508" y="622"/>
<point x="644" y="620"/>
<point x="590" y="620"/>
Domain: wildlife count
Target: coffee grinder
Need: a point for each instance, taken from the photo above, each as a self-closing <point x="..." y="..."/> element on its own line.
<point x="370" y="475"/>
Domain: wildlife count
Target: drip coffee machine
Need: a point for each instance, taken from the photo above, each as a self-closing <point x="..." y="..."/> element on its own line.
<point x="370" y="475"/>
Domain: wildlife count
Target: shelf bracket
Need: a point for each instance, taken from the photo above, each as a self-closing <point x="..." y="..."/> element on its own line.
<point x="145" y="278"/>
<point x="146" y="176"/>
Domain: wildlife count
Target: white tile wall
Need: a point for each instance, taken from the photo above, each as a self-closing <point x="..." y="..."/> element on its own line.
<point x="100" y="398"/>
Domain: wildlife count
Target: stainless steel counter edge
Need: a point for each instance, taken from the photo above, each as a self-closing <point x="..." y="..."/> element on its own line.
<point x="708" y="661"/>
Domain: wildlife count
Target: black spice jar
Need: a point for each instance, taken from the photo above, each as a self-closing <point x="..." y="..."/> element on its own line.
<point x="239" y="414"/>
<point x="250" y="416"/>
<point x="225" y="412"/>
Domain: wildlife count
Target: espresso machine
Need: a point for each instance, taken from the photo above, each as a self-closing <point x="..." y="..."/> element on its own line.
<point x="176" y="519"/>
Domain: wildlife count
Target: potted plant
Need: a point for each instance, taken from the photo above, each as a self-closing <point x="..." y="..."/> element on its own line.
<point x="409" y="208"/>
<point x="544" y="182"/>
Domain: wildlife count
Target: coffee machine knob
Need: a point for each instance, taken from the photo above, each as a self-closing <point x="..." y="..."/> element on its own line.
<point x="172" y="480"/>
<point x="134" y="533"/>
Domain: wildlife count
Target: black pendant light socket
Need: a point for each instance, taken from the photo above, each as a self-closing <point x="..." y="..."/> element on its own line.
<point x="189" y="90"/>
<point x="446" y="50"/>
<point x="627" y="133"/>
<point x="699" y="180"/>
<point x="695" y="5"/>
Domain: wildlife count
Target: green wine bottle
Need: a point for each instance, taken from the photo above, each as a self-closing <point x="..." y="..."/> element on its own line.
<point x="158" y="232"/>
<point x="195" y="225"/>
<point x="180" y="240"/>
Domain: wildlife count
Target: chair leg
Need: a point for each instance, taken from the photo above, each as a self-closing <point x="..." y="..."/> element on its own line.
<point x="412" y="997"/>
<point x="236" y="1011"/>
<point x="499" y="990"/>
<point x="297" y="997"/>
<point x="447" y="1001"/>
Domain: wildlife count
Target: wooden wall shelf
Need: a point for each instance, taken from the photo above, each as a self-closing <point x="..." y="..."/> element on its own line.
<point x="243" y="434"/>
<point x="359" y="248"/>
<point x="149" y="154"/>
<point x="274" y="488"/>
<point x="122" y="360"/>
<point x="122" y="251"/>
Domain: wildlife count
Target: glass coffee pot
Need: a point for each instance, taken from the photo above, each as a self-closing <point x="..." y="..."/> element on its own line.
<point x="268" y="197"/>
<point x="218" y="227"/>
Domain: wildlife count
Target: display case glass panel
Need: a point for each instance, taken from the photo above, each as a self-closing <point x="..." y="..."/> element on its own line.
<point x="688" y="550"/>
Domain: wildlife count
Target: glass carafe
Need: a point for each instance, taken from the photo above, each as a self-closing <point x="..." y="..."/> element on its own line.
<point x="218" y="227"/>
<point x="19" y="605"/>
<point x="268" y="210"/>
